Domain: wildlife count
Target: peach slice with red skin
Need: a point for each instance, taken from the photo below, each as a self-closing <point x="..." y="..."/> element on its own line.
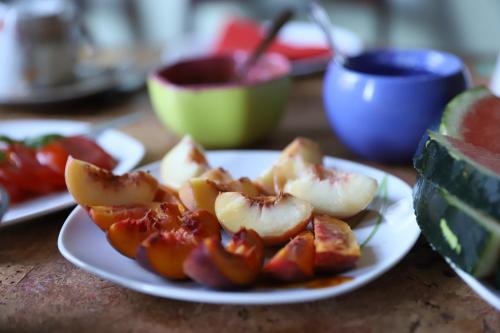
<point x="335" y="244"/>
<point x="105" y="216"/>
<point x="200" y="193"/>
<point x="243" y="185"/>
<point x="333" y="192"/>
<point x="236" y="266"/>
<point x="127" y="235"/>
<point x="301" y="149"/>
<point x="217" y="175"/>
<point x="275" y="218"/>
<point x="183" y="162"/>
<point x="295" y="261"/>
<point x="201" y="224"/>
<point x="165" y="252"/>
<point x="167" y="194"/>
<point x="92" y="186"/>
<point x="306" y="149"/>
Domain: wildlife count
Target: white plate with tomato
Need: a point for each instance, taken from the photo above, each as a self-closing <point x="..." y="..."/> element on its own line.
<point x="34" y="177"/>
<point x="137" y="247"/>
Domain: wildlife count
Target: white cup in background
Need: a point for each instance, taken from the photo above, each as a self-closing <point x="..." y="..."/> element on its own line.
<point x="495" y="78"/>
<point x="39" y="44"/>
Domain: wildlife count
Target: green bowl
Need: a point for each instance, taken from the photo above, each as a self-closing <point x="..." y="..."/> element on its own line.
<point x="196" y="97"/>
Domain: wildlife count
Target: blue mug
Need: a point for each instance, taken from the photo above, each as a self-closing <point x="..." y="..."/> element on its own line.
<point x="381" y="102"/>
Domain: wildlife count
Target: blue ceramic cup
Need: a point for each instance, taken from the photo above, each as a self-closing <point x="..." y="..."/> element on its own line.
<point x="381" y="102"/>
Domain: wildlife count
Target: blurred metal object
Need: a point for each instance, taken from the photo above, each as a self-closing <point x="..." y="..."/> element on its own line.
<point x="276" y="25"/>
<point x="318" y="15"/>
<point x="4" y="202"/>
<point x="40" y="40"/>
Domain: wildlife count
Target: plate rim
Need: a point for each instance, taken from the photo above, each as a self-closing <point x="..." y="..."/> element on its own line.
<point x="74" y="90"/>
<point x="230" y="297"/>
<point x="479" y="287"/>
<point x="29" y="217"/>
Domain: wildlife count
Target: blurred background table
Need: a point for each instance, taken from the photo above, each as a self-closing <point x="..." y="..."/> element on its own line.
<point x="41" y="292"/>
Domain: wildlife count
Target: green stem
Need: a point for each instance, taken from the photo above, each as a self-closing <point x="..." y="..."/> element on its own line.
<point x="32" y="142"/>
<point x="383" y="200"/>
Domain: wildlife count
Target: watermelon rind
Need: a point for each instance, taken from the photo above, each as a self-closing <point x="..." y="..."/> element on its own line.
<point x="446" y="166"/>
<point x="468" y="237"/>
<point x="457" y="108"/>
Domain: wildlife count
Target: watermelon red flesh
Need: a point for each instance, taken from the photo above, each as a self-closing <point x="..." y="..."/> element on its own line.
<point x="478" y="154"/>
<point x="481" y="124"/>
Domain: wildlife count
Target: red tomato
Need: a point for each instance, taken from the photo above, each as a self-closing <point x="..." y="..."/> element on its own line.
<point x="27" y="172"/>
<point x="33" y="176"/>
<point x="53" y="155"/>
<point x="7" y="180"/>
<point x="85" y="149"/>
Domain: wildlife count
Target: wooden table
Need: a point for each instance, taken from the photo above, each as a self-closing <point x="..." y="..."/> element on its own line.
<point x="41" y="292"/>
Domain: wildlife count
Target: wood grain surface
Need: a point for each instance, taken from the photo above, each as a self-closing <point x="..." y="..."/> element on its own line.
<point x="41" y="292"/>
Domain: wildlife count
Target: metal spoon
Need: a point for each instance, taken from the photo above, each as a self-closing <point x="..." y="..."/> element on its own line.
<point x="276" y="25"/>
<point x="4" y="202"/>
<point x="318" y="15"/>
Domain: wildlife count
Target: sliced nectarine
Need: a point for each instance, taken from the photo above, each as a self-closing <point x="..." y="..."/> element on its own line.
<point x="167" y="194"/>
<point x="304" y="150"/>
<point x="217" y="175"/>
<point x="93" y="186"/>
<point x="165" y="252"/>
<point x="335" y="244"/>
<point x="105" y="216"/>
<point x="127" y="235"/>
<point x="201" y="224"/>
<point x="199" y="193"/>
<point x="243" y="185"/>
<point x="333" y="192"/>
<point x="183" y="162"/>
<point x="275" y="219"/>
<point x="236" y="266"/>
<point x="295" y="261"/>
<point x="266" y="182"/>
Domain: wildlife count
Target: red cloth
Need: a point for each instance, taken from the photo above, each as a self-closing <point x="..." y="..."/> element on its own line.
<point x="241" y="34"/>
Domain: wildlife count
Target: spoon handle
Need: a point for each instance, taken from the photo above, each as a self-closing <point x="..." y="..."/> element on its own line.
<point x="4" y="202"/>
<point x="319" y="15"/>
<point x="276" y="26"/>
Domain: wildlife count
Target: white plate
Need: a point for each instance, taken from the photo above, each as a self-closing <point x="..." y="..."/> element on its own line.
<point x="88" y="82"/>
<point x="85" y="245"/>
<point x="307" y="34"/>
<point x="127" y="150"/>
<point x="485" y="291"/>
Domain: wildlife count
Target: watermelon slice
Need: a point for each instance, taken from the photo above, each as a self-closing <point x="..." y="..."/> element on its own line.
<point x="458" y="231"/>
<point x="467" y="171"/>
<point x="474" y="117"/>
<point x="457" y="196"/>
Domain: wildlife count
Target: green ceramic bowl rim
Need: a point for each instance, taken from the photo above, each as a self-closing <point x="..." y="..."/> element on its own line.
<point x="155" y="75"/>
